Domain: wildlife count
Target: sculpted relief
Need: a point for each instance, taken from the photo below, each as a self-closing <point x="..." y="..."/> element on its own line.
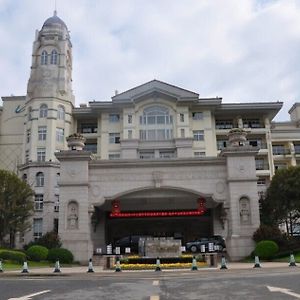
<point x="72" y="217"/>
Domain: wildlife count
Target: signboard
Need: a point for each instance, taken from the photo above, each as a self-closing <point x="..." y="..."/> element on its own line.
<point x="127" y="250"/>
<point x="99" y="250"/>
<point x="118" y="250"/>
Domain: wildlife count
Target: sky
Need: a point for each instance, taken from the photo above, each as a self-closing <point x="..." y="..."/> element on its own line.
<point x="240" y="50"/>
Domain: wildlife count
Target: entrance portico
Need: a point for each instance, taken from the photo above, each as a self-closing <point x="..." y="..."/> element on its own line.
<point x="227" y="183"/>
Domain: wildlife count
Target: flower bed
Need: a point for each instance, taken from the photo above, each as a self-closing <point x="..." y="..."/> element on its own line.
<point x="145" y="266"/>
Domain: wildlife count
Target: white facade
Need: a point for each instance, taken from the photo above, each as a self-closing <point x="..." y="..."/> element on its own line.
<point x="155" y="147"/>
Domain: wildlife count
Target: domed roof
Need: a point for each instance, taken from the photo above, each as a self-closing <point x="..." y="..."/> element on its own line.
<point x="55" y="20"/>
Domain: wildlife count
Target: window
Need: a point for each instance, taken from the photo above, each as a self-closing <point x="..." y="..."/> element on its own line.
<point x="297" y="148"/>
<point x="129" y="119"/>
<point x="60" y="112"/>
<point x="57" y="179"/>
<point x="224" y="124"/>
<point x="259" y="164"/>
<point x="114" y="156"/>
<point x="55" y="225"/>
<point x="43" y="111"/>
<point x="199" y="153"/>
<point x="60" y="132"/>
<point x="27" y="156"/>
<point x="41" y="154"/>
<point x="198" y="135"/>
<point x="91" y="147"/>
<point x="197" y="115"/>
<point x="252" y="123"/>
<point x="261" y="181"/>
<point x="129" y="134"/>
<point x="37" y="228"/>
<point x="280" y="150"/>
<point x="29" y="115"/>
<point x="113" y="118"/>
<point x="44" y="58"/>
<point x="40" y="179"/>
<point x="38" y="202"/>
<point x="221" y="144"/>
<point x="88" y="128"/>
<point x="24" y="177"/>
<point x="181" y="117"/>
<point x="54" y="57"/>
<point x="114" y="138"/>
<point x="182" y="133"/>
<point x="166" y="154"/>
<point x="146" y="154"/>
<point x="28" y="135"/>
<point x="42" y="133"/>
<point x="56" y="203"/>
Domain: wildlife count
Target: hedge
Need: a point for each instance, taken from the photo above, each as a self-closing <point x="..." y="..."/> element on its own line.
<point x="266" y="249"/>
<point x="12" y="255"/>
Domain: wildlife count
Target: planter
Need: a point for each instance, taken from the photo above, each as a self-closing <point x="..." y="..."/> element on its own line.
<point x="76" y="141"/>
<point x="237" y="137"/>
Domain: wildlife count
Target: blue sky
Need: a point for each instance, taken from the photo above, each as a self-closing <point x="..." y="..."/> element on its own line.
<point x="241" y="50"/>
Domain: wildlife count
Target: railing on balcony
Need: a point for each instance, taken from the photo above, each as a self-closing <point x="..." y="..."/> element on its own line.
<point x="261" y="166"/>
<point x="281" y="151"/>
<point x="297" y="149"/>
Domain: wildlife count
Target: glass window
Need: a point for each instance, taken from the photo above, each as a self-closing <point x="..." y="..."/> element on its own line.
<point x="60" y="112"/>
<point x="44" y="58"/>
<point x="198" y="135"/>
<point x="197" y="115"/>
<point x="113" y="118"/>
<point x="29" y="115"/>
<point x="88" y="128"/>
<point x="39" y="202"/>
<point x="40" y="179"/>
<point x="181" y="117"/>
<point x="27" y="156"/>
<point x="166" y="154"/>
<point x="182" y="133"/>
<point x="114" y="138"/>
<point x="146" y="154"/>
<point x="37" y="228"/>
<point x="56" y="203"/>
<point x="57" y="179"/>
<point x="221" y="144"/>
<point x="42" y="133"/>
<point x="129" y="134"/>
<point x="43" y="111"/>
<point x="41" y="154"/>
<point x="114" y="156"/>
<point x="91" y="147"/>
<point x="261" y="181"/>
<point x="24" y="177"/>
<point x="60" y="133"/>
<point x="199" y="153"/>
<point x="54" y="57"/>
<point x="224" y="124"/>
<point x="129" y="119"/>
<point x="28" y="135"/>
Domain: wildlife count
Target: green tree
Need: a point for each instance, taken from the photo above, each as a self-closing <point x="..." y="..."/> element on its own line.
<point x="16" y="206"/>
<point x="282" y="201"/>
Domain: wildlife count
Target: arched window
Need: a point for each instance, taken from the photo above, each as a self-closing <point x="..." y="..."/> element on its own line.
<point x="40" y="179"/>
<point x="43" y="111"/>
<point x="44" y="58"/>
<point x="54" y="57"/>
<point x="156" y="123"/>
<point x="60" y="112"/>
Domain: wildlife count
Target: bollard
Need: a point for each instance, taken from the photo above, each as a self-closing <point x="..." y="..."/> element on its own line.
<point x="223" y="263"/>
<point x="118" y="265"/>
<point x="292" y="261"/>
<point x="194" y="264"/>
<point x="1" y="267"/>
<point x="256" y="262"/>
<point x="57" y="267"/>
<point x="90" y="269"/>
<point x="158" y="268"/>
<point x="25" y="267"/>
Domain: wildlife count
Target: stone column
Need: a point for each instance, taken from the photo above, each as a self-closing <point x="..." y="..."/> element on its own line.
<point x="243" y="212"/>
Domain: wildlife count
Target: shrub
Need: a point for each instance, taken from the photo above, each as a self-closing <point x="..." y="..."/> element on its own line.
<point x="12" y="255"/>
<point x="266" y="249"/>
<point x="63" y="255"/>
<point x="49" y="240"/>
<point x="37" y="253"/>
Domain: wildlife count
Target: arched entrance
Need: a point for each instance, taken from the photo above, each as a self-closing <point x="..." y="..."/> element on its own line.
<point x="158" y="212"/>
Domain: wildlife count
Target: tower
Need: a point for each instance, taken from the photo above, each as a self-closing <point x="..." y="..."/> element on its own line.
<point x="48" y="110"/>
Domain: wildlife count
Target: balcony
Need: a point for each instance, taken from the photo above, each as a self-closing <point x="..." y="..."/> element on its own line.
<point x="281" y="151"/>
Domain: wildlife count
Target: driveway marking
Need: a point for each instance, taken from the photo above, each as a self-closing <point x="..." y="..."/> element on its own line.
<point x="155" y="282"/>
<point x="284" y="291"/>
<point x="154" y="297"/>
<point x="28" y="297"/>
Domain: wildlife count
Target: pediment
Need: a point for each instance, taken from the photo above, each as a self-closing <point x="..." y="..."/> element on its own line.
<point x="155" y="89"/>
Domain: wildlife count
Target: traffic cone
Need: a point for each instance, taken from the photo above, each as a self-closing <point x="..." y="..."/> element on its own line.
<point x="194" y="264"/>
<point x="57" y="267"/>
<point x="292" y="261"/>
<point x="223" y="263"/>
<point x="90" y="269"/>
<point x="1" y="267"/>
<point x="158" y="268"/>
<point x="256" y="262"/>
<point x="25" y="267"/>
<point x="118" y="265"/>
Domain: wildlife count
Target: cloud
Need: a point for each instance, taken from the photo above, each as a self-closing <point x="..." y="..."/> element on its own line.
<point x="242" y="51"/>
